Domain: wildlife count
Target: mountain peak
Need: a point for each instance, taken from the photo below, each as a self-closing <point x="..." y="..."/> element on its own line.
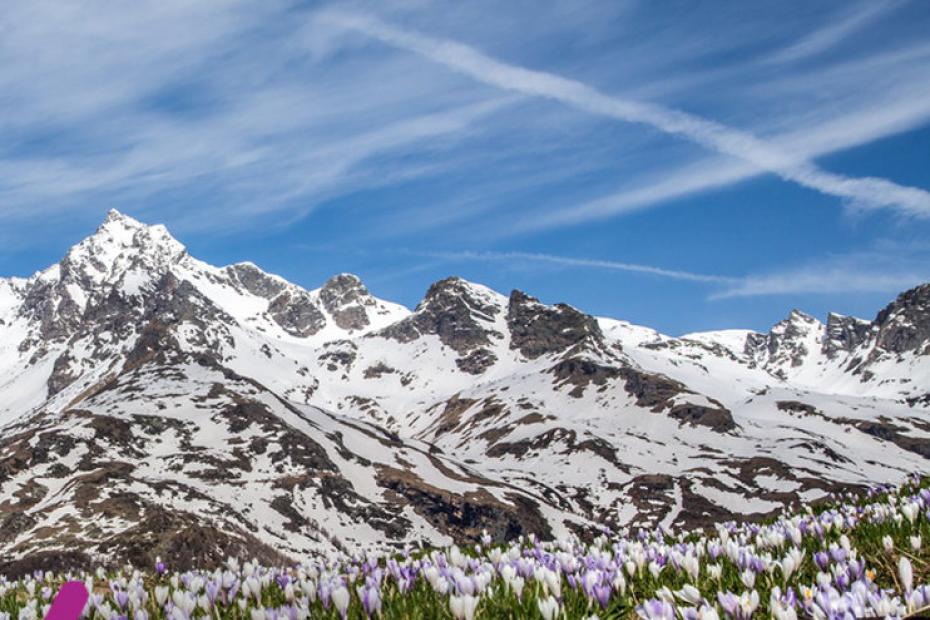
<point x="475" y="295"/>
<point x="844" y="333"/>
<point x="904" y="324"/>
<point x="343" y="281"/>
<point x="800" y="315"/>
<point x="123" y="230"/>
<point x="537" y="329"/>
<point x="120" y="244"/>
<point x="114" y="215"/>
<point x="117" y="224"/>
<point x="346" y="299"/>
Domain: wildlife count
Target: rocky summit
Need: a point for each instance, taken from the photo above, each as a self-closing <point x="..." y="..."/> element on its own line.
<point x="152" y="404"/>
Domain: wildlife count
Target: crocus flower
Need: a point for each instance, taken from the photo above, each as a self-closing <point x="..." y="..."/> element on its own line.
<point x="340" y="598"/>
<point x="906" y="574"/>
<point x="463" y="607"/>
<point x="690" y="594"/>
<point x="548" y="608"/>
<point x="370" y="595"/>
<point x="887" y="543"/>
<point x="656" y="609"/>
<point x="739" y="607"/>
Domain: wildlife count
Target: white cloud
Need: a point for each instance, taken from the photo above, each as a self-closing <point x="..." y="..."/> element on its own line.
<point x="865" y="192"/>
<point x="588" y="263"/>
<point x="824" y="280"/>
<point x="891" y="270"/>
<point x="821" y="136"/>
<point x="192" y="109"/>
<point x="886" y="266"/>
<point x="834" y="32"/>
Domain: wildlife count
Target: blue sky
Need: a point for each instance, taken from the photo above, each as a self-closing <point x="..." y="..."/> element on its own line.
<point x="686" y="165"/>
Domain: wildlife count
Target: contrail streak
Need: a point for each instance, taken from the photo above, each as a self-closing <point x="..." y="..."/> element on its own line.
<point x="864" y="192"/>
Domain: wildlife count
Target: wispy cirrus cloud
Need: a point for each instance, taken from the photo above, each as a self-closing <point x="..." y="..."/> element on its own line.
<point x="586" y="263"/>
<point x="889" y="270"/>
<point x="261" y="121"/>
<point x="908" y="107"/>
<point x="862" y="272"/>
<point x="834" y="32"/>
<point x="863" y="192"/>
<point x="224" y="105"/>
<point x="823" y="280"/>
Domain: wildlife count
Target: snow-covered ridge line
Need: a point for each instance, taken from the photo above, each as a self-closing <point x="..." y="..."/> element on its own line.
<point x="186" y="395"/>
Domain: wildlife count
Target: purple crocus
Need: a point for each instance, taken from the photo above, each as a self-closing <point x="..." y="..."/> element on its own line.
<point x="122" y="599"/>
<point x="739" y="607"/>
<point x="822" y="560"/>
<point x="656" y="609"/>
<point x="370" y="595"/>
<point x="212" y="589"/>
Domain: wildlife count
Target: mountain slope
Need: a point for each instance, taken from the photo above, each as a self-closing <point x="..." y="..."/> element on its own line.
<point x="151" y="403"/>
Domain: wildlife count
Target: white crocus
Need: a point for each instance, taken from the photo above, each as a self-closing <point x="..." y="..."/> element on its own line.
<point x="887" y="543"/>
<point x="548" y="608"/>
<point x="906" y="574"/>
<point x="463" y="607"/>
<point x="690" y="594"/>
<point x="910" y="510"/>
<point x="340" y="598"/>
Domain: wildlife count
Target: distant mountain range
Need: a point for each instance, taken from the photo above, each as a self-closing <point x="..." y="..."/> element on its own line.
<point x="152" y="404"/>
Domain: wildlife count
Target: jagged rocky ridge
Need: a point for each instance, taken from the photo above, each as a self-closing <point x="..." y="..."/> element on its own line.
<point x="153" y="404"/>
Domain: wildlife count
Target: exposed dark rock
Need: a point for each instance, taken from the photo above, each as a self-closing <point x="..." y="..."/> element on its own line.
<point x="885" y="429"/>
<point x="14" y="524"/>
<point x="47" y="561"/>
<point x="346" y="299"/>
<point x="919" y="401"/>
<point x="844" y="333"/>
<point x="62" y="374"/>
<point x="451" y="416"/>
<point x="187" y="541"/>
<point x="755" y="342"/>
<point x="652" y="391"/>
<point x="256" y="281"/>
<point x="785" y="346"/>
<point x="476" y="362"/>
<point x="537" y="329"/>
<point x="378" y="370"/>
<point x="544" y="442"/>
<point x="339" y="355"/>
<point x="466" y="516"/>
<point x="794" y="406"/>
<point x="49" y="305"/>
<point x="904" y="325"/>
<point x="716" y="419"/>
<point x="699" y="512"/>
<point x="453" y="311"/>
<point x="582" y="372"/>
<point x="296" y="314"/>
<point x="284" y="506"/>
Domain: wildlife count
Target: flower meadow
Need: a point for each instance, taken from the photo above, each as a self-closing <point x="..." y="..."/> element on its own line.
<point x="861" y="556"/>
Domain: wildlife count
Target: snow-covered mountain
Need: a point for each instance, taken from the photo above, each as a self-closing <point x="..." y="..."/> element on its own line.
<point x="152" y="404"/>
